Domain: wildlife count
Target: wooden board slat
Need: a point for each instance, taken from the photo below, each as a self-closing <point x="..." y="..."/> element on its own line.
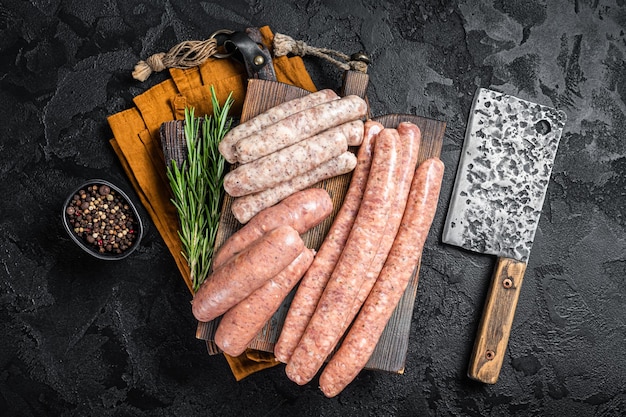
<point x="390" y="354"/>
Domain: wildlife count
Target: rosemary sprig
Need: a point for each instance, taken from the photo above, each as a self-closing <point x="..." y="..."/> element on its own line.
<point x="197" y="186"/>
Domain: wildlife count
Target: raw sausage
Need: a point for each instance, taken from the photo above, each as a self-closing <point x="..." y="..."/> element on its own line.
<point x="244" y="208"/>
<point x="354" y="132"/>
<point x="302" y="211"/>
<point x="226" y="146"/>
<point x="299" y="126"/>
<point x="330" y="317"/>
<point x="410" y="139"/>
<point x="286" y="163"/>
<point x="366" y="330"/>
<point x="246" y="272"/>
<point x="314" y="281"/>
<point x="240" y="324"/>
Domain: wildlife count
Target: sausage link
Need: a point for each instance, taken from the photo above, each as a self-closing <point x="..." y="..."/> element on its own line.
<point x="271" y="116"/>
<point x="300" y="126"/>
<point x="354" y="132"/>
<point x="314" y="281"/>
<point x="239" y="325"/>
<point x="410" y="139"/>
<point x="282" y="165"/>
<point x="361" y="339"/>
<point x="329" y="319"/>
<point x="246" y="272"/>
<point x="244" y="208"/>
<point x="302" y="210"/>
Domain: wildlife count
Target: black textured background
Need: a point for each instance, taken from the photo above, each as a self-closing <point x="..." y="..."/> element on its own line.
<point x="80" y="337"/>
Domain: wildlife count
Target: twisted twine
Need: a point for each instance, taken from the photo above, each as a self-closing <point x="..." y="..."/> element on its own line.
<point x="186" y="54"/>
<point x="284" y="45"/>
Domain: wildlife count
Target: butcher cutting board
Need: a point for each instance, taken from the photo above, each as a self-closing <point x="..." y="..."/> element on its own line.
<point x="390" y="354"/>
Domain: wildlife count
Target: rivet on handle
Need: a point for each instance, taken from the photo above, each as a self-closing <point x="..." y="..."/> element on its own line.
<point x="507" y="283"/>
<point x="489" y="355"/>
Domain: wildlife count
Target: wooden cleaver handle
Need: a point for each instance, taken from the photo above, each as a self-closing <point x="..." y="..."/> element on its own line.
<point x="495" y="324"/>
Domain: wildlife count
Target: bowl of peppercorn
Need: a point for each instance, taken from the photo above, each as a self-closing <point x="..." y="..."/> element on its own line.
<point x="102" y="220"/>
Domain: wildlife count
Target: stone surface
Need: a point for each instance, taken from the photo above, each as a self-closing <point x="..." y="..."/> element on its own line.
<point x="83" y="337"/>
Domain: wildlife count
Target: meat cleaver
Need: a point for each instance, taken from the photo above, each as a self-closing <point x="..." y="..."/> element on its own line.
<point x="501" y="182"/>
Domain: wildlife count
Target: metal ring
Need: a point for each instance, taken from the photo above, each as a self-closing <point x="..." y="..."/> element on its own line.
<point x="222" y="32"/>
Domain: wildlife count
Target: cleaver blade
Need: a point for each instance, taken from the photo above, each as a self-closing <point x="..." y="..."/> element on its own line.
<point x="501" y="182"/>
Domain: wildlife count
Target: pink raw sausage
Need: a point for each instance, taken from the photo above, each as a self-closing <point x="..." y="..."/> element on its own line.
<point x="314" y="281"/>
<point x="361" y="339"/>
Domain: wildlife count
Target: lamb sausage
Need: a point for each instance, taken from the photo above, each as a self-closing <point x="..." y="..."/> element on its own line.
<point x="244" y="208"/>
<point x="361" y="339"/>
<point x="410" y="139"/>
<point x="300" y="126"/>
<point x="271" y="116"/>
<point x="245" y="272"/>
<point x="330" y="317"/>
<point x="302" y="211"/>
<point x="240" y="324"/>
<point x="314" y="281"/>
<point x="282" y="165"/>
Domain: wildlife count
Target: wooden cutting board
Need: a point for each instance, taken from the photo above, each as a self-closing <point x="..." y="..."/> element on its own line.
<point x="390" y="354"/>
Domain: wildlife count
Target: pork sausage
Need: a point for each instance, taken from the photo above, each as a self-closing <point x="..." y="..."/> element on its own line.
<point x="271" y="116"/>
<point x="302" y="210"/>
<point x="244" y="208"/>
<point x="361" y="339"/>
<point x="282" y="165"/>
<point x="239" y="325"/>
<point x="330" y="317"/>
<point x="354" y="132"/>
<point x="245" y="272"/>
<point x="299" y="126"/>
<point x="410" y="139"/>
<point x="314" y="281"/>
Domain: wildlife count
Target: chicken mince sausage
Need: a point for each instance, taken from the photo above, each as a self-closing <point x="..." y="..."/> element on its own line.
<point x="244" y="208"/>
<point x="302" y="210"/>
<point x="300" y="126"/>
<point x="314" y="281"/>
<point x="286" y="163"/>
<point x="273" y="115"/>
<point x="329" y="319"/>
<point x="410" y="139"/>
<point x="245" y="272"/>
<point x="240" y="324"/>
<point x="361" y="339"/>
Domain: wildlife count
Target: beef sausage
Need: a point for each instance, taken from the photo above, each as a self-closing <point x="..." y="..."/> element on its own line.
<point x="245" y="272"/>
<point x="314" y="281"/>
<point x="300" y="126"/>
<point x="361" y="339"/>
<point x="330" y="317"/>
<point x="302" y="210"/>
<point x="240" y="324"/>
<point x="282" y="165"/>
<point x="244" y="208"/>
<point x="271" y="116"/>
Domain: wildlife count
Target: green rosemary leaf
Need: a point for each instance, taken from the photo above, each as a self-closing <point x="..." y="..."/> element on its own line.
<point x="197" y="186"/>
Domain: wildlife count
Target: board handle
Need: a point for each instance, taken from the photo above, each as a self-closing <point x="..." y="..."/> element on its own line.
<point x="495" y="324"/>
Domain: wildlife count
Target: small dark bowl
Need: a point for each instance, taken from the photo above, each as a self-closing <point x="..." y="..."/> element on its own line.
<point x="90" y="248"/>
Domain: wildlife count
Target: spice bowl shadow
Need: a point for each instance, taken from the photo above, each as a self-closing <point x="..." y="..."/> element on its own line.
<point x="98" y="236"/>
